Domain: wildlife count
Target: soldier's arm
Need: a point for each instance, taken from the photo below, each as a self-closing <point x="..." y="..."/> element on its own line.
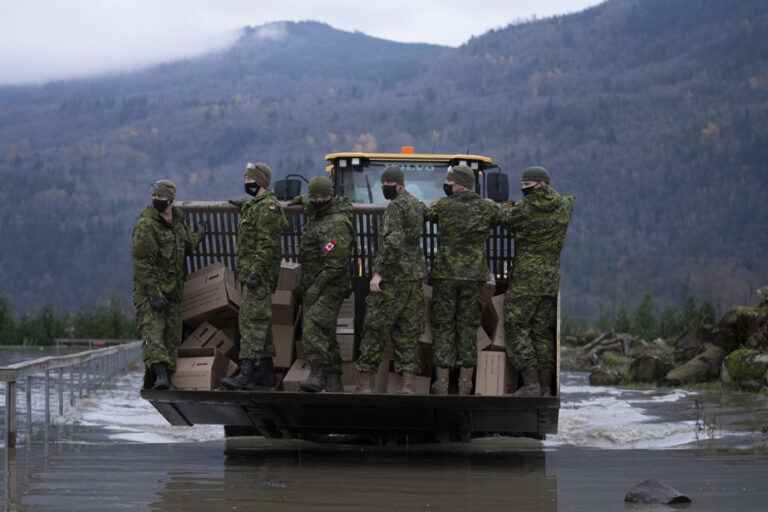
<point x="512" y="216"/>
<point x="145" y="265"/>
<point x="336" y="251"/>
<point x="392" y="240"/>
<point x="191" y="239"/>
<point x="262" y="238"/>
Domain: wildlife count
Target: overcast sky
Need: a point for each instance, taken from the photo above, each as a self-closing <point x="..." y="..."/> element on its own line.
<point x="42" y="40"/>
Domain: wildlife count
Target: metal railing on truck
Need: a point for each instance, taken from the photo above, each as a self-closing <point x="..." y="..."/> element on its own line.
<point x="82" y="372"/>
<point x="222" y="218"/>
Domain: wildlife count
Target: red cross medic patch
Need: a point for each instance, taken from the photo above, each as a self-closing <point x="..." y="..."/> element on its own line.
<point x="329" y="246"/>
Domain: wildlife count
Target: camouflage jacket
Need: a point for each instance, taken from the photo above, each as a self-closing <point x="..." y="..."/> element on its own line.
<point x="464" y="224"/>
<point x="259" y="233"/>
<point x="399" y="256"/>
<point x="159" y="249"/>
<point x="538" y="224"/>
<point x="326" y="246"/>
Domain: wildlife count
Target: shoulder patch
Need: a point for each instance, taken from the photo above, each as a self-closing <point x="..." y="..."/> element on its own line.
<point x="330" y="246"/>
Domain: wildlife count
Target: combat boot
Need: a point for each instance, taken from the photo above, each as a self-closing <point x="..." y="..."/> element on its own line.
<point x="531" y="385"/>
<point x="366" y="381"/>
<point x="243" y="380"/>
<point x="545" y="381"/>
<point x="264" y="374"/>
<point x="465" y="381"/>
<point x="332" y="381"/>
<point x="162" y="379"/>
<point x="440" y="386"/>
<point x="315" y="381"/>
<point x="407" y="387"/>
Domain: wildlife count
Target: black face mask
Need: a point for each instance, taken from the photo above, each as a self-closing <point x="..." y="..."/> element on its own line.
<point x="161" y="204"/>
<point x="389" y="191"/>
<point x="448" y="189"/>
<point x="528" y="191"/>
<point x="321" y="205"/>
<point x="252" y="188"/>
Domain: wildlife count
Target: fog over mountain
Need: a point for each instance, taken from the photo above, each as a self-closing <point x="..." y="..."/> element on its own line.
<point x="653" y="113"/>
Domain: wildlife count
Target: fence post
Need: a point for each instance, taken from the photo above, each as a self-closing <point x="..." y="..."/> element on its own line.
<point x="10" y="415"/>
<point x="60" y="386"/>
<point x="47" y="398"/>
<point x="28" y="390"/>
<point x="71" y="386"/>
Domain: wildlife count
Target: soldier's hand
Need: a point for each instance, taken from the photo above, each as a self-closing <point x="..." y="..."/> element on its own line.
<point x="375" y="286"/>
<point x="296" y="201"/>
<point x="158" y="303"/>
<point x="253" y="280"/>
<point x="237" y="203"/>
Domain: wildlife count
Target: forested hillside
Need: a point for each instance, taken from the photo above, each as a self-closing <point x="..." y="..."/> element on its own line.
<point x="653" y="113"/>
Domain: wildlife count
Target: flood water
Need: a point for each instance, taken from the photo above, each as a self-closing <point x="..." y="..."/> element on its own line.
<point x="115" y="453"/>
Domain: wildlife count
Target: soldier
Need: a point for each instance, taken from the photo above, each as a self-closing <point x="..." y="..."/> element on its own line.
<point x="396" y="302"/>
<point x="161" y="240"/>
<point x="538" y="224"/>
<point x="458" y="273"/>
<point x="326" y="246"/>
<point x="262" y="223"/>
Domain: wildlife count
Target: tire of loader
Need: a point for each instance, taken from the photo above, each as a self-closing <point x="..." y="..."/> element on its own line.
<point x="240" y="431"/>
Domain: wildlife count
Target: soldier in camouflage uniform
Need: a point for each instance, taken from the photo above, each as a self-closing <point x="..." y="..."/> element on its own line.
<point x="326" y="246"/>
<point x="538" y="224"/>
<point x="262" y="223"/>
<point x="396" y="303"/>
<point x="460" y="269"/>
<point x="161" y="240"/>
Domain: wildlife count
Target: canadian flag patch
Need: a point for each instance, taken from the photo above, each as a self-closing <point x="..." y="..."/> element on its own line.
<point x="329" y="246"/>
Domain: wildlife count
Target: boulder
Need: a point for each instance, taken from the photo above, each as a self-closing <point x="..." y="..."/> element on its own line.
<point x="703" y="367"/>
<point x="653" y="492"/>
<point x="649" y="368"/>
<point x="607" y="377"/>
<point x="747" y="369"/>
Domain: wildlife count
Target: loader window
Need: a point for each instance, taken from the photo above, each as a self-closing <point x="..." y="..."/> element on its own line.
<point x="422" y="179"/>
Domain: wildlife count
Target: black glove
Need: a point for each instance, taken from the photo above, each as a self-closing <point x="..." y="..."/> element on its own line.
<point x="159" y="303"/>
<point x="253" y="280"/>
<point x="237" y="203"/>
<point x="202" y="228"/>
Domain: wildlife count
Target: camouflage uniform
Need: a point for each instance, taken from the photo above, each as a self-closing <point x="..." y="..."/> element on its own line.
<point x="262" y="223"/>
<point x="398" y="310"/>
<point x="326" y="246"/>
<point x="538" y="224"/>
<point x="460" y="269"/>
<point x="159" y="249"/>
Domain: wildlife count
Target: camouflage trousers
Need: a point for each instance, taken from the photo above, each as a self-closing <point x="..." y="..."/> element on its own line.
<point x="455" y="320"/>
<point x="321" y="311"/>
<point x="397" y="313"/>
<point x="161" y="333"/>
<point x="529" y="325"/>
<point x="255" y="320"/>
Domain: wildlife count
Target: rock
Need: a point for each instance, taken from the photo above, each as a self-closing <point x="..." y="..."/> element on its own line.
<point x="653" y="492"/>
<point x="606" y="377"/>
<point x="703" y="367"/>
<point x="747" y="368"/>
<point x="725" y="377"/>
<point x="688" y="346"/>
<point x="571" y="340"/>
<point x="648" y="368"/>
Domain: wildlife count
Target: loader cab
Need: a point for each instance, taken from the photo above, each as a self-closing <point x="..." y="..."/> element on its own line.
<point x="357" y="175"/>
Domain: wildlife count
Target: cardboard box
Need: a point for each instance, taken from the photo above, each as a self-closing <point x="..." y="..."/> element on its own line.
<point x="283" y="341"/>
<point x="348" y="308"/>
<point x="345" y="338"/>
<point x="211" y="292"/>
<point x="289" y="277"/>
<point x="283" y="307"/>
<point x="420" y="385"/>
<point x="299" y="348"/>
<point x="297" y="374"/>
<point x="492" y="375"/>
<point x="208" y="336"/>
<point x="345" y="323"/>
<point x="201" y="369"/>
<point x="498" y="336"/>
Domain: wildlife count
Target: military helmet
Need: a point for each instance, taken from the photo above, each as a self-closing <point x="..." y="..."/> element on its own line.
<point x="260" y="172"/>
<point x="464" y="176"/>
<point x="394" y="174"/>
<point x="535" y="174"/>
<point x="320" y="187"/>
<point x="165" y="189"/>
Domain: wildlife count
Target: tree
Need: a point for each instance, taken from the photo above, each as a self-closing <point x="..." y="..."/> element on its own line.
<point x="622" y="323"/>
<point x="645" y="319"/>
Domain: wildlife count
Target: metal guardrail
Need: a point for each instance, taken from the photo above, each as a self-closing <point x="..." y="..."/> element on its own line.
<point x="91" y="368"/>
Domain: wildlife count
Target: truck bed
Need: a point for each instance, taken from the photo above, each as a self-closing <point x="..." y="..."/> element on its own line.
<point x="415" y="418"/>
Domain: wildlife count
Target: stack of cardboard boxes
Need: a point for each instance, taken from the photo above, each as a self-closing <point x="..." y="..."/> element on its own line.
<point x="210" y="307"/>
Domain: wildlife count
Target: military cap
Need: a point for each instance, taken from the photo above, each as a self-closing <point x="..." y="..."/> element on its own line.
<point x="164" y="188"/>
<point x="535" y="174"/>
<point x="464" y="176"/>
<point x="259" y="172"/>
<point x="394" y="174"/>
<point x="320" y="187"/>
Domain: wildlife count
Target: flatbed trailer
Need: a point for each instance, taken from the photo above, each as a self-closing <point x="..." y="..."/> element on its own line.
<point x="375" y="417"/>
